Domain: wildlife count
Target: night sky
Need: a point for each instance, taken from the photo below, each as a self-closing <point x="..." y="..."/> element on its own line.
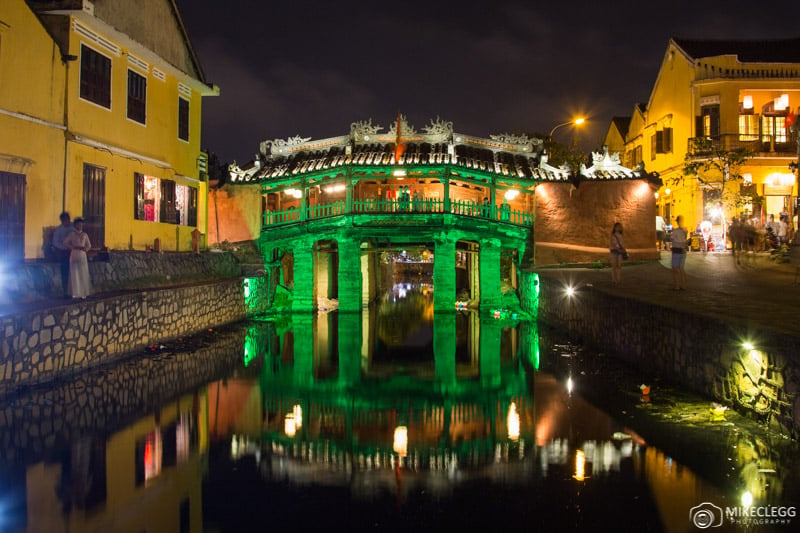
<point x="293" y="67"/>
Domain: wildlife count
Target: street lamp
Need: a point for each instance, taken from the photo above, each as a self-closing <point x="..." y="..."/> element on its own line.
<point x="577" y="122"/>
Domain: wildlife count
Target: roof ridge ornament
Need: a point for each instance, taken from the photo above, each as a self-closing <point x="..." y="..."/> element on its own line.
<point x="510" y="138"/>
<point x="362" y="130"/>
<point x="280" y="146"/>
<point x="440" y="130"/>
<point x="405" y="127"/>
<point x="606" y="161"/>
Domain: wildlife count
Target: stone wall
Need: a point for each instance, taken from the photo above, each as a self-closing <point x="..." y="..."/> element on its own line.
<point x="116" y="270"/>
<point x="573" y="225"/>
<point x="42" y="419"/>
<point x="697" y="352"/>
<point x="39" y="346"/>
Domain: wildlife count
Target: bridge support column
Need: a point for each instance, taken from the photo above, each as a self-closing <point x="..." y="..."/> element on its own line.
<point x="368" y="272"/>
<point x="350" y="292"/>
<point x="444" y="276"/>
<point x="529" y="292"/>
<point x="303" y="294"/>
<point x="491" y="292"/>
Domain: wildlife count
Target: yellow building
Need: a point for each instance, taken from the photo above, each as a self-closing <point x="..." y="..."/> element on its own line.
<point x="710" y="99"/>
<point x="31" y="131"/>
<point x="119" y="102"/>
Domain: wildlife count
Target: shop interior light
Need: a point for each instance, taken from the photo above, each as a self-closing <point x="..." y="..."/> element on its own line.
<point x="400" y="443"/>
<point x="511" y="194"/>
<point x="747" y="102"/>
<point x="512" y="421"/>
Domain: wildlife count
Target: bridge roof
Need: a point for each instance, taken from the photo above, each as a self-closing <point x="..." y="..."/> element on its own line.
<point x="509" y="156"/>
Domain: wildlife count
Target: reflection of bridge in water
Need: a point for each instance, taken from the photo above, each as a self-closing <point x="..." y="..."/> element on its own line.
<point x="329" y="413"/>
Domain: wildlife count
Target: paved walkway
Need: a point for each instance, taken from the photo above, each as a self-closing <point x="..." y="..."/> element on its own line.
<point x="749" y="288"/>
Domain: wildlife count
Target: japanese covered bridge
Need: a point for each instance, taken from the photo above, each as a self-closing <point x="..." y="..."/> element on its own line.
<point x="334" y="209"/>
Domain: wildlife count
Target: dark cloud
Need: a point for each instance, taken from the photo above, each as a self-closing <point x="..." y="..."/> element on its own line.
<point x="312" y="68"/>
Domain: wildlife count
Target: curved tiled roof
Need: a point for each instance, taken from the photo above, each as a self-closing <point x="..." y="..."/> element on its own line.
<point x="503" y="156"/>
<point x="762" y="51"/>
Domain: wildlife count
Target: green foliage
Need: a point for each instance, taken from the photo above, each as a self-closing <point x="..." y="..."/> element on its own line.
<point x="715" y="165"/>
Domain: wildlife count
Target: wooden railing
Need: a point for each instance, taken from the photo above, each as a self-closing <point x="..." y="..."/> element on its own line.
<point x="752" y="143"/>
<point x="502" y="213"/>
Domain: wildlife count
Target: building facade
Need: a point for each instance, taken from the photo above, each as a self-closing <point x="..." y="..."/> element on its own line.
<point x="725" y="108"/>
<point x="116" y="107"/>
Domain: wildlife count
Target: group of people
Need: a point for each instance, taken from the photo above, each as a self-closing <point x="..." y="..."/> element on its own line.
<point x="749" y="235"/>
<point x="70" y="244"/>
<point x="680" y="244"/>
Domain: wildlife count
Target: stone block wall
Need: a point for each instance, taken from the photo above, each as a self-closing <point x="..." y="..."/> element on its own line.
<point x="120" y="270"/>
<point x="698" y="352"/>
<point x="42" y="419"/>
<point x="573" y="225"/>
<point x="39" y="346"/>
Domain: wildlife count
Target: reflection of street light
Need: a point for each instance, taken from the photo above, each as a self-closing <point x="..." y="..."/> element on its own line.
<point x="577" y="122"/>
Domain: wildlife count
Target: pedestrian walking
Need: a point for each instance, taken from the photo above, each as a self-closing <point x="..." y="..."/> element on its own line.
<point x="61" y="251"/>
<point x="679" y="250"/>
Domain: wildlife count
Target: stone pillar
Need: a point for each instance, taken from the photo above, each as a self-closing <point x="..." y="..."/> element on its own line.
<point x="444" y="350"/>
<point x="492" y="200"/>
<point x="350" y="291"/>
<point x="349" y="348"/>
<point x="491" y="293"/>
<point x="473" y="275"/>
<point x="367" y="278"/>
<point x="446" y="183"/>
<point x="529" y="292"/>
<point x="303" y="293"/>
<point x="348" y="195"/>
<point x="304" y="203"/>
<point x="490" y="333"/>
<point x="444" y="276"/>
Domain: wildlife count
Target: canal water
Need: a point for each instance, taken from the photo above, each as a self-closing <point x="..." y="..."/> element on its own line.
<point x="397" y="420"/>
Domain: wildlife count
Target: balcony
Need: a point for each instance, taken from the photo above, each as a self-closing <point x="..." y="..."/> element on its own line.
<point x="756" y="145"/>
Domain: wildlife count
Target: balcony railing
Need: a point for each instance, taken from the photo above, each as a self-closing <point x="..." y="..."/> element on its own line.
<point x="754" y="144"/>
<point x="464" y="208"/>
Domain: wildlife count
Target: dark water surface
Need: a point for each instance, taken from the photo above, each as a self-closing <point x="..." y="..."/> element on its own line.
<point x="391" y="421"/>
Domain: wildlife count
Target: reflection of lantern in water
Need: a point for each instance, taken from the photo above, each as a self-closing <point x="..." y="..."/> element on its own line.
<point x="512" y="421"/>
<point x="400" y="444"/>
<point x="289" y="426"/>
<point x="297" y="411"/>
<point x="580" y="465"/>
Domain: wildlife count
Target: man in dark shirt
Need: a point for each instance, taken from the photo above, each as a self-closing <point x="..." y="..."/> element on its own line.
<point x="61" y="251"/>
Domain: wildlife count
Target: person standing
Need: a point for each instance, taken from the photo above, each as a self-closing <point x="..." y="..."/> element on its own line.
<point x="661" y="231"/>
<point x="61" y="251"/>
<point x="679" y="244"/>
<point x="78" y="243"/>
<point x="616" y="250"/>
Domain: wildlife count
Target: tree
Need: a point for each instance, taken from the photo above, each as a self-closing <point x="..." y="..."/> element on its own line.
<point x="715" y="166"/>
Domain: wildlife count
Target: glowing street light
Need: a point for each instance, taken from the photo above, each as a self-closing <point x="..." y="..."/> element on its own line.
<point x="576" y="122"/>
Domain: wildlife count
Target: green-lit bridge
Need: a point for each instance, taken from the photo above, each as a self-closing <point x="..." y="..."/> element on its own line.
<point x="332" y="210"/>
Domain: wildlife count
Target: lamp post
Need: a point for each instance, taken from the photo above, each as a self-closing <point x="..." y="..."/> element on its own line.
<point x="577" y="122"/>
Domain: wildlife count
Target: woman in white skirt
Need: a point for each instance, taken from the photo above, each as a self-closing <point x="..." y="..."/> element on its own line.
<point x="78" y="243"/>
